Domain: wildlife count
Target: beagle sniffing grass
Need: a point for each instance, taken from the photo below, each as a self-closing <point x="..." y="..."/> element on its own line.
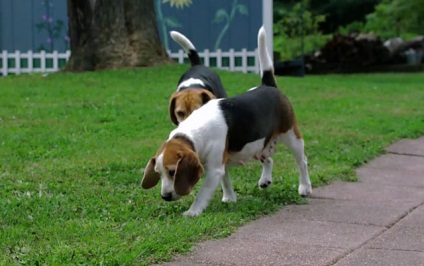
<point x="225" y="132"/>
<point x="196" y="86"/>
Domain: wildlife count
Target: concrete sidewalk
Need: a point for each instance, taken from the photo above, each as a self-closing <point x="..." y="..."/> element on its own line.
<point x="376" y="221"/>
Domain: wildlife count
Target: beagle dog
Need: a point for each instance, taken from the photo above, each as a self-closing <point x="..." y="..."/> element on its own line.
<point x="223" y="133"/>
<point x="196" y="86"/>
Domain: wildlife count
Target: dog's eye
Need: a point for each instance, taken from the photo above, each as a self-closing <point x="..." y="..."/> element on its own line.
<point x="171" y="172"/>
<point x="180" y="113"/>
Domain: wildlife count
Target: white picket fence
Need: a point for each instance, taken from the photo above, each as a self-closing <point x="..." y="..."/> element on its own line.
<point x="29" y="62"/>
<point x="242" y="61"/>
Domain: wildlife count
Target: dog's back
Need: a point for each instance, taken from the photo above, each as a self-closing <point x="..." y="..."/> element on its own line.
<point x="264" y="106"/>
<point x="260" y="107"/>
<point x="210" y="80"/>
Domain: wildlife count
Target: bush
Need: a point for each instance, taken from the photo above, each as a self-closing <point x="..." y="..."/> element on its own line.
<point x="392" y="18"/>
<point x="295" y="22"/>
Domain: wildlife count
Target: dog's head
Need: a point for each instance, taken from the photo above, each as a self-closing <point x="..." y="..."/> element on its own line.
<point x="177" y="165"/>
<point x="184" y="102"/>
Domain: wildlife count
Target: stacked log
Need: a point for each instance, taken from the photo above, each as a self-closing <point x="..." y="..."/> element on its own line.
<point x="363" y="52"/>
<point x="398" y="45"/>
<point x="355" y="50"/>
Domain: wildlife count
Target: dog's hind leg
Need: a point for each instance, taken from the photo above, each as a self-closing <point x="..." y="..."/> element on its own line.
<point x="266" y="176"/>
<point x="227" y="188"/>
<point x="295" y="143"/>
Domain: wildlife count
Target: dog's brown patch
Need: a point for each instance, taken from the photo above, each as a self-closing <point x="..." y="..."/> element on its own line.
<point x="174" y="150"/>
<point x="297" y="130"/>
<point x="288" y="120"/>
<point x="287" y="116"/>
<point x="179" y="155"/>
<point x="226" y="152"/>
<point x="150" y="177"/>
<point x="188" y="173"/>
<point x="183" y="103"/>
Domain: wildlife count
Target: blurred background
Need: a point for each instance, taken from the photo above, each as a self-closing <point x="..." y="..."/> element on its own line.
<point x="309" y="36"/>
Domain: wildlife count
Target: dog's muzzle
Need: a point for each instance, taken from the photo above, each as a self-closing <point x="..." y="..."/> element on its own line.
<point x="167" y="197"/>
<point x="170" y="196"/>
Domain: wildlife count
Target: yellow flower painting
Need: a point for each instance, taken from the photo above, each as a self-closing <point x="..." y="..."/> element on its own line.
<point x="178" y="3"/>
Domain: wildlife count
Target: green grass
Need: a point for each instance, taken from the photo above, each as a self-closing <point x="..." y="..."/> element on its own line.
<point x="72" y="146"/>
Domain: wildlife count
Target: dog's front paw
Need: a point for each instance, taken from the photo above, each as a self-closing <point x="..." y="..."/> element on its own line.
<point x="229" y="198"/>
<point x="305" y="190"/>
<point x="264" y="183"/>
<point x="192" y="213"/>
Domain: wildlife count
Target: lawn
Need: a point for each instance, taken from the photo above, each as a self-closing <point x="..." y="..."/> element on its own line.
<point x="72" y="146"/>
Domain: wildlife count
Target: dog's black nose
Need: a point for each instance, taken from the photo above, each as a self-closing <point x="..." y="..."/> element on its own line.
<point x="167" y="197"/>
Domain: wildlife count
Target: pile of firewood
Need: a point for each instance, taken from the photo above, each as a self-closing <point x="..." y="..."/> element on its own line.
<point x="353" y="50"/>
<point x="400" y="49"/>
<point x="356" y="51"/>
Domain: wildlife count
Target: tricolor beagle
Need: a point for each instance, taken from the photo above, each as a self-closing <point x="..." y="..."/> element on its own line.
<point x="196" y="86"/>
<point x="224" y="132"/>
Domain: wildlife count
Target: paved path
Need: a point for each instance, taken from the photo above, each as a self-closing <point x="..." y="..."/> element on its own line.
<point x="376" y="221"/>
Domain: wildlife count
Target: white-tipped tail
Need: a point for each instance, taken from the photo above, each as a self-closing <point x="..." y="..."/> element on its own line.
<point x="182" y="40"/>
<point x="265" y="61"/>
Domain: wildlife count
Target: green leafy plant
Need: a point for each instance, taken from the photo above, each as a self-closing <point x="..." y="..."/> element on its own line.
<point x="227" y="17"/>
<point x="392" y="18"/>
<point x="297" y="27"/>
<point x="356" y="26"/>
<point x="55" y="28"/>
<point x="395" y="18"/>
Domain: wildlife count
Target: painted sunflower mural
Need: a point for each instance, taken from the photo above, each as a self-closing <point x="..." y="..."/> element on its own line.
<point x="214" y="20"/>
<point x="165" y="22"/>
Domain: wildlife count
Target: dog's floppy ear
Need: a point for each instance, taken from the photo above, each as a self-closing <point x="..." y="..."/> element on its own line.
<point x="188" y="172"/>
<point x="172" y="110"/>
<point x="150" y="177"/>
<point x="207" y="96"/>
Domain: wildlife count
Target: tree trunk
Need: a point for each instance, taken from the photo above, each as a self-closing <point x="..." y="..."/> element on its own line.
<point x="109" y="34"/>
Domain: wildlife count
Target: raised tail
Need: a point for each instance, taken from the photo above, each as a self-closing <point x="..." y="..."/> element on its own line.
<point x="265" y="61"/>
<point x="188" y="47"/>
